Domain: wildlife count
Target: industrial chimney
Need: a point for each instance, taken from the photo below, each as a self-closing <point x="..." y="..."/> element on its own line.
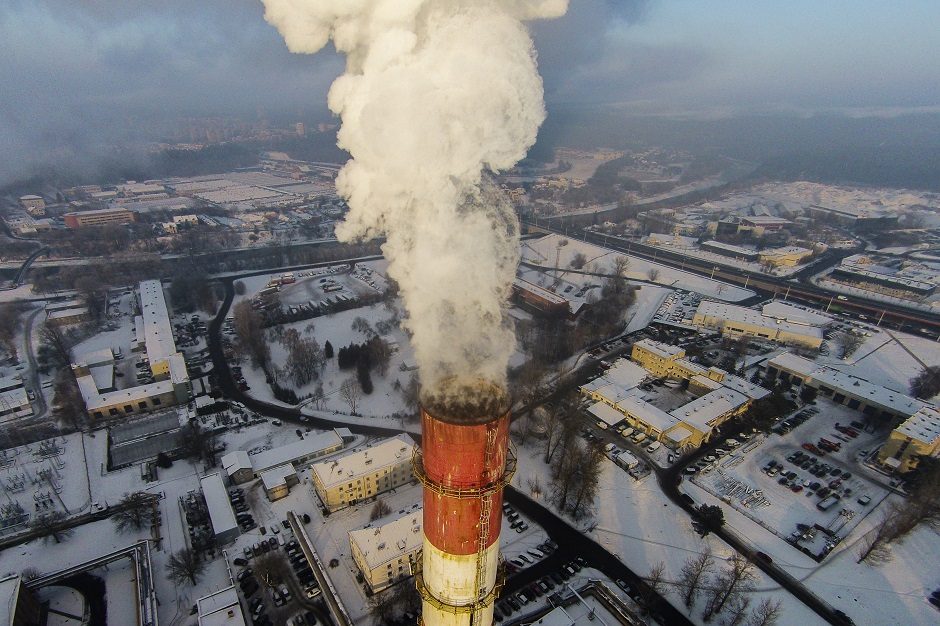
<point x="464" y="463"/>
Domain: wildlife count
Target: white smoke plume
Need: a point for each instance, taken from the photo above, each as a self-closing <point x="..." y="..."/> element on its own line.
<point x="436" y="95"/>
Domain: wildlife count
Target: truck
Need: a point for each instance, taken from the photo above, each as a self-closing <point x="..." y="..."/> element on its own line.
<point x="827" y="503"/>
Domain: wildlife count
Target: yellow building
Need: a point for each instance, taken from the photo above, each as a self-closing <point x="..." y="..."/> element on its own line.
<point x="361" y="475"/>
<point x="917" y="436"/>
<point x="389" y="553"/>
<point x="717" y="397"/>
<point x="659" y="359"/>
<point x="788" y="256"/>
<point x="739" y="321"/>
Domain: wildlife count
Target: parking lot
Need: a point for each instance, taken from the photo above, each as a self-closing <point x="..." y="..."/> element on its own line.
<point x="805" y="483"/>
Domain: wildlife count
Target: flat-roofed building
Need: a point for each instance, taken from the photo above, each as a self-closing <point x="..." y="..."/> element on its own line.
<point x="787" y="256"/>
<point x="237" y="466"/>
<point x="171" y="384"/>
<point x="854" y="392"/>
<point x="220" y="608"/>
<point x="738" y="321"/>
<point x="712" y="397"/>
<point x="731" y="251"/>
<point x="33" y="204"/>
<point x="14" y="401"/>
<point x="388" y="553"/>
<point x="277" y="481"/>
<point x="221" y="515"/>
<point x="18" y="605"/>
<point x="242" y="467"/>
<point x="917" y="436"/>
<point x="98" y="217"/>
<point x="658" y="358"/>
<point x="363" y="474"/>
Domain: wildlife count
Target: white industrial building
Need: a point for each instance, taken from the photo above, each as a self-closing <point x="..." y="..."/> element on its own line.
<point x="94" y="372"/>
<point x="224" y="524"/>
<point x="14" y="401"/>
<point x="220" y="608"/>
<point x="242" y="467"/>
<point x="388" y="553"/>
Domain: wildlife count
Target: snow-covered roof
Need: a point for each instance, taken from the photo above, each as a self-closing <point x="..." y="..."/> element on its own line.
<point x="606" y="413"/>
<point x="220" y="608"/>
<point x="157" y="330"/>
<point x="782" y="311"/>
<point x="308" y="446"/>
<point x="744" y="315"/>
<point x="96" y="400"/>
<point x="103" y="375"/>
<point x="764" y="220"/>
<point x="705" y="381"/>
<point x="742" y="385"/>
<point x="10" y="382"/>
<point x="923" y="426"/>
<point x="649" y="414"/>
<point x="847" y="384"/>
<point x="234" y="461"/>
<point x="220" y="507"/>
<point x="30" y="197"/>
<point x="730" y="248"/>
<point x="541" y="292"/>
<point x="277" y="476"/>
<point x="784" y="250"/>
<point x="9" y="593"/>
<point x="392" y="451"/>
<point x="659" y="348"/>
<point x="625" y="373"/>
<point x="705" y="409"/>
<point x="680" y="433"/>
<point x="388" y="542"/>
<point x="611" y="392"/>
<point x="54" y="315"/>
<point x="96" y="357"/>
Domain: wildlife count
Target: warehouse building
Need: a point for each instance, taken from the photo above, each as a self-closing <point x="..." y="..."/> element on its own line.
<point x="221" y="515"/>
<point x="99" y="217"/>
<point x="389" y="553"/>
<point x="738" y="321"/>
<point x="681" y="418"/>
<point x="856" y="393"/>
<point x="241" y="467"/>
<point x="918" y="436"/>
<point x="277" y="481"/>
<point x="364" y="474"/>
<point x="14" y="401"/>
<point x="94" y="372"/>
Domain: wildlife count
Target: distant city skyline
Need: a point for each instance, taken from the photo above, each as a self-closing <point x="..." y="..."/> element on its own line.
<point x="77" y="71"/>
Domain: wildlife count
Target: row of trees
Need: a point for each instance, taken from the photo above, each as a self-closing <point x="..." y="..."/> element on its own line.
<point x="902" y="517"/>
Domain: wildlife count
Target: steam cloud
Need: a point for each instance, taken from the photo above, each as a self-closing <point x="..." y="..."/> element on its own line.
<point x="436" y="94"/>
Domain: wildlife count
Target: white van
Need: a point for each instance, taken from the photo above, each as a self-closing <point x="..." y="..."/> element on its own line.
<point x="653" y="447"/>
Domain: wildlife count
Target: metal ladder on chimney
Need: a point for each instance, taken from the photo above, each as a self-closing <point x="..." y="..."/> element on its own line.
<point x="486" y="509"/>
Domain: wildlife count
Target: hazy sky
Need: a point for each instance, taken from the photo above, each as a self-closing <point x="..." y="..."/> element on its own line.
<point x="78" y="69"/>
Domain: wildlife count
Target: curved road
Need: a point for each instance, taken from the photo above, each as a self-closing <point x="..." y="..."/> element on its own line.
<point x="572" y="543"/>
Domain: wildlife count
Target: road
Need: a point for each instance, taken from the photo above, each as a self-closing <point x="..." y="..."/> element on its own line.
<point x="33" y="365"/>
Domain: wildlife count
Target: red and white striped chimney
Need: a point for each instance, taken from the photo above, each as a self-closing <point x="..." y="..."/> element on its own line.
<point x="463" y="465"/>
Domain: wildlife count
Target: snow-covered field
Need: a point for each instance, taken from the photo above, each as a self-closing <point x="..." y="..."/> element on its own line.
<point x="543" y="252"/>
<point x="888" y="357"/>
<point x="637" y="523"/>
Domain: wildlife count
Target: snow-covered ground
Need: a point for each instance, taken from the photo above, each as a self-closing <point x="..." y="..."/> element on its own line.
<point x="637" y="523"/>
<point x="544" y="250"/>
<point x="890" y="358"/>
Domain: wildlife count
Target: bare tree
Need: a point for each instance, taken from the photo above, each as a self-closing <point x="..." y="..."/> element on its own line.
<point x="655" y="585"/>
<point x="52" y="525"/>
<point x="135" y="512"/>
<point x="379" y="509"/>
<point x="847" y="344"/>
<point x="737" y="609"/>
<point x="927" y="383"/>
<point x="318" y="399"/>
<point x="693" y="574"/>
<point x="621" y="266"/>
<point x="349" y="391"/>
<point x="734" y="579"/>
<point x="185" y="566"/>
<point x="766" y="614"/>
<point x="578" y="260"/>
<point x="653" y="274"/>
<point x="271" y="568"/>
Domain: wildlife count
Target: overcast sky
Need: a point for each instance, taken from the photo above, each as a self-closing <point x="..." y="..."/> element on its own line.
<point x="72" y="70"/>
